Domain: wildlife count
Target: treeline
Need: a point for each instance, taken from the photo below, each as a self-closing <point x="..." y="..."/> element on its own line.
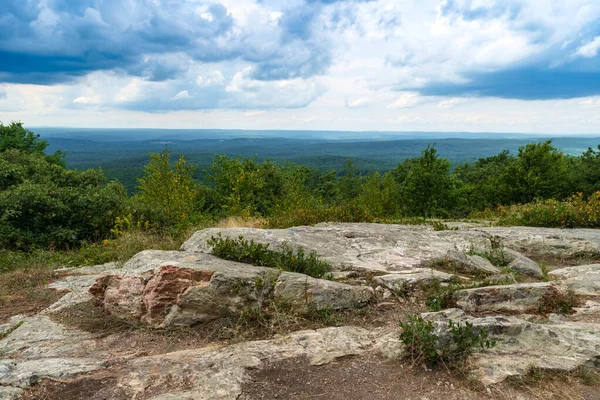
<point x="44" y="204"/>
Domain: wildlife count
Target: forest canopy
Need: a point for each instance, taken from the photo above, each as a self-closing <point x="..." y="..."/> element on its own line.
<point x="44" y="204"/>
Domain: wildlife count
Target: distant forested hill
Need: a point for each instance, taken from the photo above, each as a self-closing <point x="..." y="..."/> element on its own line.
<point x="124" y="159"/>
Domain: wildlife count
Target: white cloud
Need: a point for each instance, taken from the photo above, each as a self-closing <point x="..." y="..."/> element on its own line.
<point x="589" y="49"/>
<point x="360" y="102"/>
<point x="184" y="94"/>
<point x="451" y="103"/>
<point x="406" y="100"/>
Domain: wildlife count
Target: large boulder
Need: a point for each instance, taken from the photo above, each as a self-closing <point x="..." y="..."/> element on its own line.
<point x="521" y="264"/>
<point x="304" y="293"/>
<point x="158" y="291"/>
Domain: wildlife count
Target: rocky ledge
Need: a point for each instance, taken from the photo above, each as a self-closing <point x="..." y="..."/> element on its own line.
<point x="372" y="264"/>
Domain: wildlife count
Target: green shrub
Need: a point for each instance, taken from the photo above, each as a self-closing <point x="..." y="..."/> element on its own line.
<point x="576" y="212"/>
<point x="285" y="258"/>
<point x="441" y="297"/>
<point x="43" y="205"/>
<point x="422" y="344"/>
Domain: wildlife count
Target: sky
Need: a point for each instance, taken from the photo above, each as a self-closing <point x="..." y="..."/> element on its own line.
<point x="530" y="66"/>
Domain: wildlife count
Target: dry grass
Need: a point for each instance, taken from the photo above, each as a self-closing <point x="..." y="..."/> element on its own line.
<point x="24" y="276"/>
<point x="581" y="384"/>
<point x="241" y="222"/>
<point x="23" y="291"/>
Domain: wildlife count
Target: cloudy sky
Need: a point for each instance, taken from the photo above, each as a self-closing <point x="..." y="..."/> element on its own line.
<point x="404" y="65"/>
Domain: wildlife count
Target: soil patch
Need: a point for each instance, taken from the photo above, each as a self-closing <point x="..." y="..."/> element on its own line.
<point x="371" y="378"/>
<point x="23" y="292"/>
<point x="122" y="337"/>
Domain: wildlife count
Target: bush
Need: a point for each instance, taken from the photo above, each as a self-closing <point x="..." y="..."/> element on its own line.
<point x="422" y="344"/>
<point x="576" y="212"/>
<point x="285" y="258"/>
<point x="42" y="204"/>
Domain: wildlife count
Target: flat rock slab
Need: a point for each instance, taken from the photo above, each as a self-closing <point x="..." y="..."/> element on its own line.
<point x="40" y="337"/>
<point x="520" y="297"/>
<point x="218" y="372"/>
<point x="403" y="283"/>
<point x="400" y="247"/>
<point x="557" y="345"/>
<point x="585" y="279"/>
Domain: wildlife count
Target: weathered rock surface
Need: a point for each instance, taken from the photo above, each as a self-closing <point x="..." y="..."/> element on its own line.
<point x="520" y="297"/>
<point x="399" y="247"/>
<point x="27" y="373"/>
<point x="554" y="346"/>
<point x="304" y="293"/>
<point x="10" y="393"/>
<point x="218" y="373"/>
<point x="523" y="265"/>
<point x="40" y="348"/>
<point x="403" y="283"/>
<point x="584" y="279"/>
<point x="185" y="287"/>
<point x="471" y="264"/>
<point x="198" y="288"/>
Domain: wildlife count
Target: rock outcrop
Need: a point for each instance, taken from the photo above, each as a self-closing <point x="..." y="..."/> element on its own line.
<point x="164" y="289"/>
<point x="375" y="262"/>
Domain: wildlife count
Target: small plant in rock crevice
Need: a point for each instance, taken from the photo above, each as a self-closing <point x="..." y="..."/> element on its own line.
<point x="453" y="349"/>
<point x="440" y="226"/>
<point x="285" y="258"/>
<point x="559" y="302"/>
<point x="441" y="297"/>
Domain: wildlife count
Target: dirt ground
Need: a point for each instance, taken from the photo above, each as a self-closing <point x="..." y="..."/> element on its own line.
<point x="371" y="378"/>
<point x="354" y="378"/>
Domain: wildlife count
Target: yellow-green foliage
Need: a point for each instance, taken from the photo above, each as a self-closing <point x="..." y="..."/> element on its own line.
<point x="576" y="212"/>
<point x="167" y="193"/>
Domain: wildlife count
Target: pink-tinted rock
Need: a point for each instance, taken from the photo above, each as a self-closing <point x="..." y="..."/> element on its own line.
<point x="123" y="296"/>
<point x="165" y="288"/>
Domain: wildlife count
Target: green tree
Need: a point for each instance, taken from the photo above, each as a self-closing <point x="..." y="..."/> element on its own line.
<point x="379" y="195"/>
<point x="586" y="171"/>
<point x="428" y="187"/>
<point x="539" y="172"/>
<point x="42" y="204"/>
<point x="167" y="194"/>
<point x="246" y="187"/>
<point x="16" y="137"/>
<point x="349" y="182"/>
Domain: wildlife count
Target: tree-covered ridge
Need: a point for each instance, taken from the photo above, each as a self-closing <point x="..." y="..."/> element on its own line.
<point x="42" y="203"/>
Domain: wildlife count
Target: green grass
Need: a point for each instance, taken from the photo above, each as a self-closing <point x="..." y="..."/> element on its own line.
<point x="285" y="258"/>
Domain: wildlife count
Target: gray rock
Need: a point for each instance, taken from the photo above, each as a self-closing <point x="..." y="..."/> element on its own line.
<point x="521" y="264"/>
<point x="40" y="337"/>
<point x="26" y="373"/>
<point x="560" y="346"/>
<point x="521" y="297"/>
<point x="502" y="279"/>
<point x="218" y="372"/>
<point x="10" y="393"/>
<point x="585" y="279"/>
<point x="471" y="264"/>
<point x="88" y="270"/>
<point x="404" y="283"/>
<point x="398" y="247"/>
<point x="304" y="293"/>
